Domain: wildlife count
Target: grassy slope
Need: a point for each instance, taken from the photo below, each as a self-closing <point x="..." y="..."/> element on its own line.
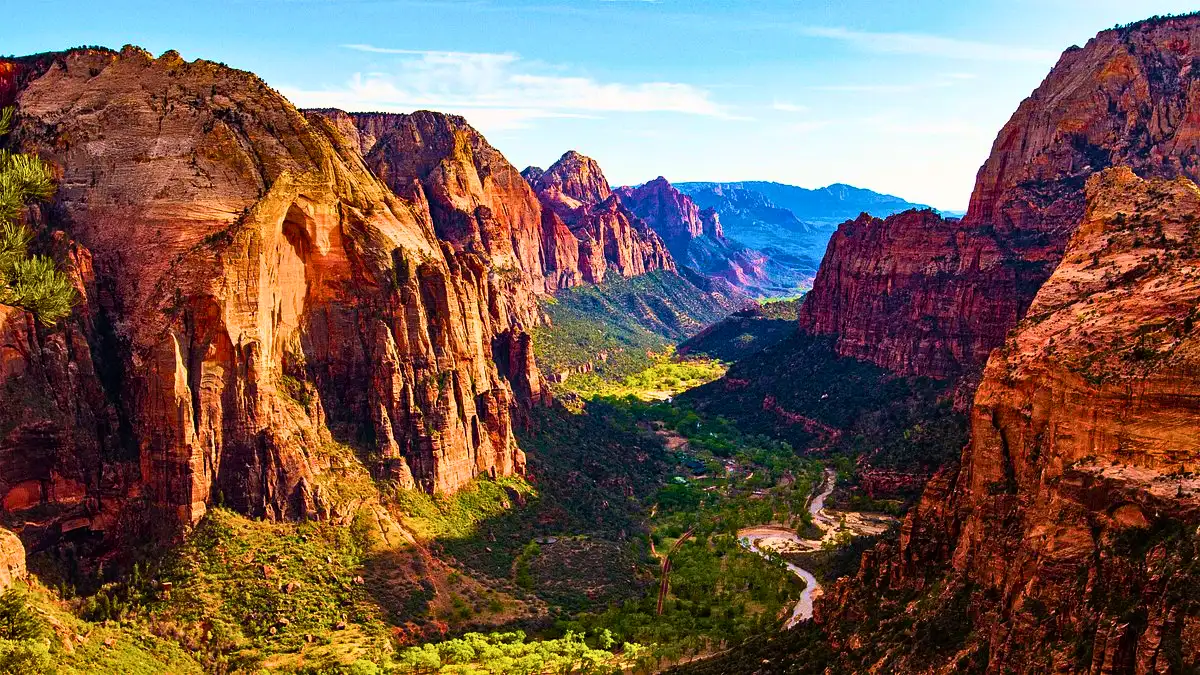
<point x="78" y="646"/>
<point x="626" y="319"/>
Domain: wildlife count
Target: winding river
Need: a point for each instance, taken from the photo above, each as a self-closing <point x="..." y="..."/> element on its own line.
<point x="752" y="537"/>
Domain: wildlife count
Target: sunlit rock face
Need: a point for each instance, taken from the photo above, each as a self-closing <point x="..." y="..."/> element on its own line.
<point x="608" y="239"/>
<point x="1071" y="526"/>
<point x="694" y="235"/>
<point x="254" y="295"/>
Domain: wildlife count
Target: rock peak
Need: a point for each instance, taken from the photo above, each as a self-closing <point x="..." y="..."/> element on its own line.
<point x="577" y="176"/>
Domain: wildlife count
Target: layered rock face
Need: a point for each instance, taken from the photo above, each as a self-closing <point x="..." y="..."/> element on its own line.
<point x="569" y="232"/>
<point x="588" y="229"/>
<point x="255" y="299"/>
<point x="952" y="289"/>
<point x="915" y="293"/>
<point x="694" y="236"/>
<point x="1070" y="531"/>
<point x="478" y="202"/>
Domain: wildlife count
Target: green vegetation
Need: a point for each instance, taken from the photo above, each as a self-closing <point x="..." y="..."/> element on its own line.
<point x="664" y="377"/>
<point x="243" y="591"/>
<point x="801" y="391"/>
<point x="42" y="635"/>
<point x="720" y="592"/>
<point x="617" y="326"/>
<point x="511" y="652"/>
<point x="746" y="332"/>
<point x="32" y="282"/>
<point x="459" y="515"/>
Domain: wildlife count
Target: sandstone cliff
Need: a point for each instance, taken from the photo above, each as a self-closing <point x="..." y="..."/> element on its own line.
<point x="694" y="236"/>
<point x="1067" y="540"/>
<point x="12" y="559"/>
<point x="578" y="200"/>
<point x="931" y="297"/>
<point x="258" y="305"/>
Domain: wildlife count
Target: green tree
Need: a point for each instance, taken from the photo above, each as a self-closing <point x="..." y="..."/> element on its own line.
<point x="17" y="620"/>
<point x="29" y="281"/>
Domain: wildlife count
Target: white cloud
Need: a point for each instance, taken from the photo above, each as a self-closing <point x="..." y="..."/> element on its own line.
<point x="499" y="90"/>
<point x="931" y="45"/>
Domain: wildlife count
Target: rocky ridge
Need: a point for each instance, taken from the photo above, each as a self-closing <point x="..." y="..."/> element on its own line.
<point x="1068" y="533"/>
<point x="694" y="235"/>
<point x="936" y="298"/>
<point x="259" y="308"/>
<point x="601" y="234"/>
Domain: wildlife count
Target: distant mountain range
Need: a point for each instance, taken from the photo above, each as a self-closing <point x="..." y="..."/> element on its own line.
<point x="789" y="219"/>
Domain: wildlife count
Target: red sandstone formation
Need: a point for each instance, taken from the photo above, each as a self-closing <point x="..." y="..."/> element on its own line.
<point x="1071" y="525"/>
<point x="575" y="179"/>
<point x="930" y="297"/>
<point x="12" y="559"/>
<point x="254" y="299"/>
<point x="694" y="236"/>
<point x="579" y="208"/>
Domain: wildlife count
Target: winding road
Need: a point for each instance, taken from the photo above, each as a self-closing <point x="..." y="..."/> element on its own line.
<point x="751" y="537"/>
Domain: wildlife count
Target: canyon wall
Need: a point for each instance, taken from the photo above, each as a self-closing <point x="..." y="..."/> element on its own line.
<point x="1067" y="541"/>
<point x="926" y="296"/>
<point x="259" y="308"/>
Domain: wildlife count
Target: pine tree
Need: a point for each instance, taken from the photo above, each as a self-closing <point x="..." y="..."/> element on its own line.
<point x="31" y="282"/>
<point x="17" y="620"/>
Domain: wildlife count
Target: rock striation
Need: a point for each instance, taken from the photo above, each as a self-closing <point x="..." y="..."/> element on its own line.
<point x="259" y="305"/>
<point x="952" y="289"/>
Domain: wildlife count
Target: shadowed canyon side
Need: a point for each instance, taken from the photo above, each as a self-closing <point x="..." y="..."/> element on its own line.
<point x="1067" y="540"/>
<point x="926" y="296"/>
<point x="255" y="299"/>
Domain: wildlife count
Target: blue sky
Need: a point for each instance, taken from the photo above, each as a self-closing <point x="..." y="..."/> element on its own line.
<point x="900" y="97"/>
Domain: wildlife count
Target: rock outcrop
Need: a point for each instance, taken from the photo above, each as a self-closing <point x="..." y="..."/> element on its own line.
<point x="478" y="202"/>
<point x="12" y="559"/>
<point x="1067" y="541"/>
<point x="693" y="235"/>
<point x="951" y="290"/>
<point x="588" y="229"/>
<point x="259" y="305"/>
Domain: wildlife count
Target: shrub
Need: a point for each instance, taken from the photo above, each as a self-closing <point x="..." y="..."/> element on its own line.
<point x="27" y="657"/>
<point x="36" y="284"/>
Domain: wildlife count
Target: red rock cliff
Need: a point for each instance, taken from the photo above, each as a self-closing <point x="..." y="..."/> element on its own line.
<point x="577" y="201"/>
<point x="694" y="236"/>
<point x="255" y="298"/>
<point x="930" y="297"/>
<point x="1071" y="526"/>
